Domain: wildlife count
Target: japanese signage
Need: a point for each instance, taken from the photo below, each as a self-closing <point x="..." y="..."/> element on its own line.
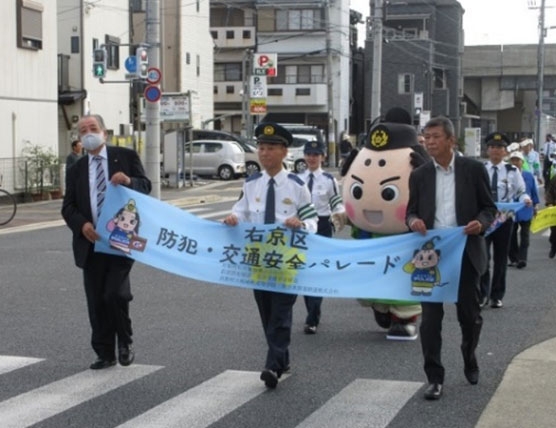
<point x="265" y="65"/>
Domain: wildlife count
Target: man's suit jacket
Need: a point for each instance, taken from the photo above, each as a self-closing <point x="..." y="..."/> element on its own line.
<point x="473" y="202"/>
<point x="76" y="208"/>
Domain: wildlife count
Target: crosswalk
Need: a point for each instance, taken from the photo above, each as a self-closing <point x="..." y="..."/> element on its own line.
<point x="363" y="403"/>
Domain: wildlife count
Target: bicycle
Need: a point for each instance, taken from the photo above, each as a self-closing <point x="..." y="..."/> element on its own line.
<point x="8" y="205"/>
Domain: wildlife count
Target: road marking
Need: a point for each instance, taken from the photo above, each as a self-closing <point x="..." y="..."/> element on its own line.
<point x="31" y="227"/>
<point x="364" y="403"/>
<point x="204" y="404"/>
<point x="9" y="363"/>
<point x="44" y="402"/>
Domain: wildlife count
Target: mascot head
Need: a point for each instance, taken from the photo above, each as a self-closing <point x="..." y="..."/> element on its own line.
<point x="376" y="178"/>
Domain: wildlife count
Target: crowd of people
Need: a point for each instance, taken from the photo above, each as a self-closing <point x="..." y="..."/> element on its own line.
<point x="444" y="189"/>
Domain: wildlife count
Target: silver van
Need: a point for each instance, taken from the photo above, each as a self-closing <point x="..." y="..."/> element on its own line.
<point x="226" y="159"/>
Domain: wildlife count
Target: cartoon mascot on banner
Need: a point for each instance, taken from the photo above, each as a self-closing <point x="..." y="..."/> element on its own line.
<point x="375" y="193"/>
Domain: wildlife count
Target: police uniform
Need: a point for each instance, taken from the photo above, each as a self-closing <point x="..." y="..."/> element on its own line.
<point x="327" y="200"/>
<point x="292" y="199"/>
<point x="509" y="187"/>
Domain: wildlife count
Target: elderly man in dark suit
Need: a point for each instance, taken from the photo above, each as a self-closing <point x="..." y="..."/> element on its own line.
<point x="106" y="277"/>
<point x="451" y="191"/>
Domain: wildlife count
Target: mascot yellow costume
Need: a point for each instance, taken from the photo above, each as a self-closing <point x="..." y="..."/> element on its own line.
<point x="375" y="193"/>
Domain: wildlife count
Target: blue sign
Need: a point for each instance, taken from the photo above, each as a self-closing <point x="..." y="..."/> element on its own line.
<point x="131" y="64"/>
<point x="152" y="93"/>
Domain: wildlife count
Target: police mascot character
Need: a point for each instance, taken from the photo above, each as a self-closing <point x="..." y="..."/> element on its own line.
<point x="375" y="194"/>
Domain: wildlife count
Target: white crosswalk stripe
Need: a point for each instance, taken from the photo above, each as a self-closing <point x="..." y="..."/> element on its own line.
<point x="203" y="405"/>
<point x="44" y="402"/>
<point x="9" y="363"/>
<point x="364" y="403"/>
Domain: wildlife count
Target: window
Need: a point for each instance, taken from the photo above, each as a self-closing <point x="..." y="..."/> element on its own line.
<point x="294" y="74"/>
<point x="229" y="89"/>
<point x="229" y="34"/>
<point x="303" y="91"/>
<point x="246" y="34"/>
<point x="112" y="52"/>
<point x="188" y="58"/>
<point x="215" y="90"/>
<point x="277" y="92"/>
<point x="405" y="83"/>
<point x="29" y="24"/>
<point x="299" y="19"/>
<point x="74" y="44"/>
<point x="138" y="6"/>
<point x="439" y="78"/>
<point x="227" y="72"/>
<point x="214" y="34"/>
<point x="198" y="66"/>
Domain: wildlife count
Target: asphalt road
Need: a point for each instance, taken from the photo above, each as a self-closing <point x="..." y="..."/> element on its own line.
<point x="200" y="348"/>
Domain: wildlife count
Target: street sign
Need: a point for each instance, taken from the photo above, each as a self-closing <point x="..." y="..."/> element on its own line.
<point x="265" y="65"/>
<point x="258" y="106"/>
<point x="258" y="87"/>
<point x="174" y="107"/>
<point x="418" y="100"/>
<point x="131" y="64"/>
<point x="153" y="75"/>
<point x="152" y="93"/>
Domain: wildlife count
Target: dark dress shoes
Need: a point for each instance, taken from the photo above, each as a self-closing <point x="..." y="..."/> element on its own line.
<point x="552" y="253"/>
<point x="270" y="378"/>
<point x="126" y="355"/>
<point x="472" y="376"/>
<point x="101" y="363"/>
<point x="433" y="391"/>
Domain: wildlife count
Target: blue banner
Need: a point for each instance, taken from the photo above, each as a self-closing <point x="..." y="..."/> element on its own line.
<point x="505" y="210"/>
<point x="273" y="257"/>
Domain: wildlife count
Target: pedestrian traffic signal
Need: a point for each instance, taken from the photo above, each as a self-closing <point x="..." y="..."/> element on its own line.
<point x="417" y="111"/>
<point x="99" y="63"/>
<point x="142" y="61"/>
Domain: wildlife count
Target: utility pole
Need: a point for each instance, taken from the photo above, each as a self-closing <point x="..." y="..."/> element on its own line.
<point x="152" y="109"/>
<point x="377" y="58"/>
<point x="330" y="90"/>
<point x="246" y="118"/>
<point x="540" y="76"/>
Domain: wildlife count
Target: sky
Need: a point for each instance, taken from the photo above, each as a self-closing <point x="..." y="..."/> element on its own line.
<point x="495" y="22"/>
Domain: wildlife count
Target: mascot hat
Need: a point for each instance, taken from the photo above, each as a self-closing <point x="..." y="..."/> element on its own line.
<point x="391" y="136"/>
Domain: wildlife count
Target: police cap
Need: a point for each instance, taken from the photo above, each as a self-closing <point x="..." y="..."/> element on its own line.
<point x="270" y="132"/>
<point x="313" y="147"/>
<point x="391" y="136"/>
<point x="497" y="139"/>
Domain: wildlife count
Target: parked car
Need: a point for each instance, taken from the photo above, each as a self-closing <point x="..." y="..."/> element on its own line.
<point x="226" y="159"/>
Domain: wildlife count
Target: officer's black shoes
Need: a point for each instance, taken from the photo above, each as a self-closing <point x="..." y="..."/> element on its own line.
<point x="101" y="363"/>
<point x="433" y="391"/>
<point x="270" y="378"/>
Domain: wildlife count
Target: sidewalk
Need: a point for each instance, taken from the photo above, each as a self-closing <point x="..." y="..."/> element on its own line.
<point x="524" y="398"/>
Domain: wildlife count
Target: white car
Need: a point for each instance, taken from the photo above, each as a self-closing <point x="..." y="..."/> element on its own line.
<point x="226" y="159"/>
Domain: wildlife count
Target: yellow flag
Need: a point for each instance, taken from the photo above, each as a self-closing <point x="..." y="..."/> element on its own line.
<point x="544" y="218"/>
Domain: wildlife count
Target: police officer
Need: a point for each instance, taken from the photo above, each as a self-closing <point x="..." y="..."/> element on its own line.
<point x="328" y="203"/>
<point x="507" y="185"/>
<point x="274" y="196"/>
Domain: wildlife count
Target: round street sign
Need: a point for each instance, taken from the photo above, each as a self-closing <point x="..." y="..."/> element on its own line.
<point x="152" y="93"/>
<point x="131" y="64"/>
<point x="153" y="75"/>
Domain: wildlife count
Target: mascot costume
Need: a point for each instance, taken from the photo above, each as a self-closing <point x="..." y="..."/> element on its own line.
<point x="375" y="194"/>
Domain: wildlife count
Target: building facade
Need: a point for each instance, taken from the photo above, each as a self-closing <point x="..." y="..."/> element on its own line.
<point x="421" y="58"/>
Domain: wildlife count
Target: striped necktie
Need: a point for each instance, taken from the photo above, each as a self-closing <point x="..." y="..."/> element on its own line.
<point x="270" y="206"/>
<point x="100" y="180"/>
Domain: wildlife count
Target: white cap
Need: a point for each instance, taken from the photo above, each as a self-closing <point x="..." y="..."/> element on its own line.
<point x="517" y="155"/>
<point x="526" y="142"/>
<point x="513" y="147"/>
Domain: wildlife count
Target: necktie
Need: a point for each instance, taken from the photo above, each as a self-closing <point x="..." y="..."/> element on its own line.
<point x="310" y="184"/>
<point x="270" y="207"/>
<point x="494" y="183"/>
<point x="100" y="181"/>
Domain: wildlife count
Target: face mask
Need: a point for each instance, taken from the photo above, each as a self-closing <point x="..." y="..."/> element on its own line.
<point x="92" y="141"/>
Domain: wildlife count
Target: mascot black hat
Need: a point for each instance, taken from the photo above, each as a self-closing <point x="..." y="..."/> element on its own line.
<point x="395" y="132"/>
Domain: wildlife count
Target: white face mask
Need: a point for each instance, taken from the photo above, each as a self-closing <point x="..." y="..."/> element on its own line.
<point x="92" y="142"/>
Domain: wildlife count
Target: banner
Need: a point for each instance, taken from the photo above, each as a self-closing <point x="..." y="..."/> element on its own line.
<point x="544" y="218"/>
<point x="505" y="211"/>
<point x="272" y="257"/>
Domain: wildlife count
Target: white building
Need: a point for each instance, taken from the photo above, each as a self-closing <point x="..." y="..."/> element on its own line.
<point x="83" y="27"/>
<point x="28" y="93"/>
<point x="311" y="41"/>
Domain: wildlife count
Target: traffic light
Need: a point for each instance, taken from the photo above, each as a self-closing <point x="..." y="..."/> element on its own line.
<point x="142" y="61"/>
<point x="99" y="63"/>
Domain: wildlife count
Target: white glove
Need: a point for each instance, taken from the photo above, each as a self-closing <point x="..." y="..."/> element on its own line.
<point x="339" y="220"/>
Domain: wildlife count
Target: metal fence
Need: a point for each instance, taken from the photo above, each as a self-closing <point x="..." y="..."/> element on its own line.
<point x="32" y="179"/>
